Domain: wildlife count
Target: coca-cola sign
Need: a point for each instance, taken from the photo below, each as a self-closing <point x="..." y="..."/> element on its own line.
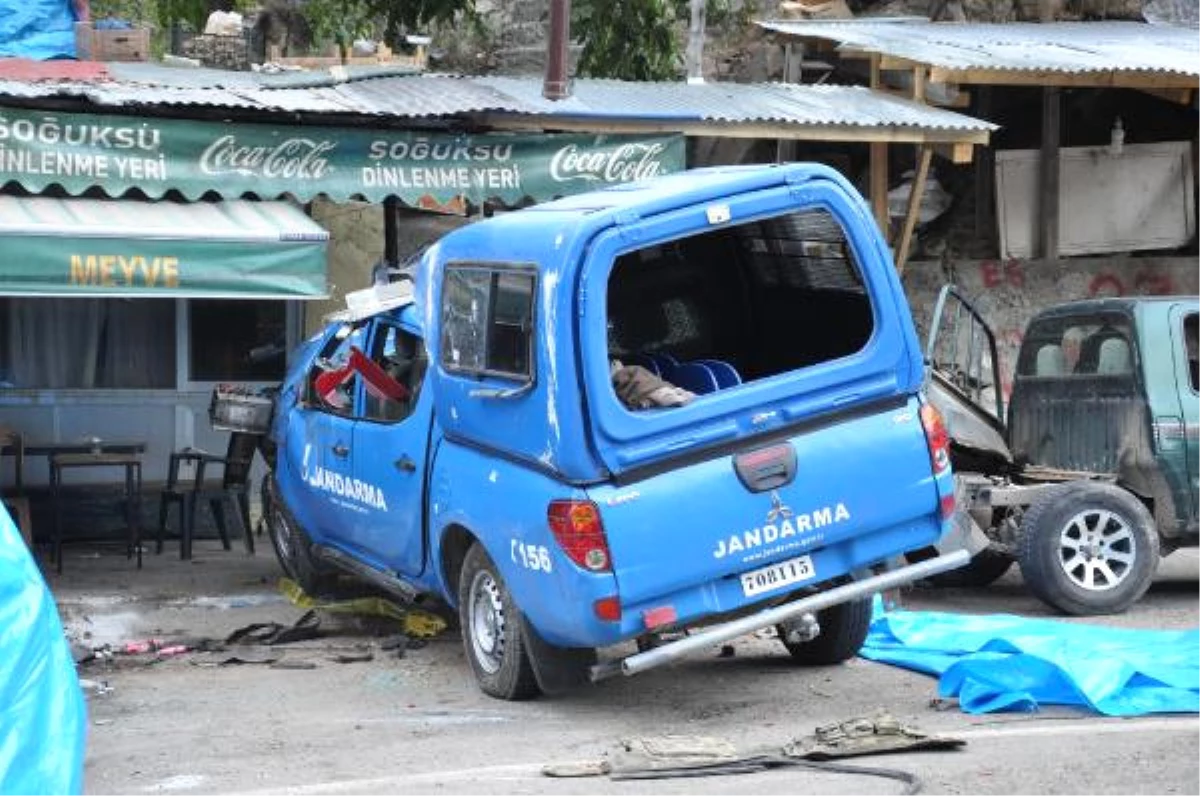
<point x="624" y="163"/>
<point x="446" y="172"/>
<point x="292" y="158"/>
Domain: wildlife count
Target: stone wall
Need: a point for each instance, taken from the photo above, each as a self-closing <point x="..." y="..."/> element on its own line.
<point x="1008" y="293"/>
<point x="356" y="232"/>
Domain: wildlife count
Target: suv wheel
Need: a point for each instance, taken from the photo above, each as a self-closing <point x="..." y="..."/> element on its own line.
<point x="843" y="631"/>
<point x="292" y="546"/>
<point x="1088" y="548"/>
<point x="491" y="628"/>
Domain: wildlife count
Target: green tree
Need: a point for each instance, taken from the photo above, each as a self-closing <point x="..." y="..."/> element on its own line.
<point x="628" y="39"/>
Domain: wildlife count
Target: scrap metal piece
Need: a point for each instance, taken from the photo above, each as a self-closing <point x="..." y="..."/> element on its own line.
<point x="866" y="736"/>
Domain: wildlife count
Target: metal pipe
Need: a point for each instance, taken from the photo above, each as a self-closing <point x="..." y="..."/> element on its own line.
<point x="642" y="661"/>
<point x="556" y="86"/>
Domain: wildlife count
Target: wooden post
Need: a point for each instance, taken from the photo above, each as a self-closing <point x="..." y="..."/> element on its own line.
<point x="985" y="173"/>
<point x="1048" y="173"/>
<point x="925" y="154"/>
<point x="879" y="165"/>
<point x="793" y="54"/>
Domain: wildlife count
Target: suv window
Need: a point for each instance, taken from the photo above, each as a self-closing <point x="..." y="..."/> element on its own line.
<point x="1192" y="349"/>
<point x="1092" y="345"/>
<point x="487" y="321"/>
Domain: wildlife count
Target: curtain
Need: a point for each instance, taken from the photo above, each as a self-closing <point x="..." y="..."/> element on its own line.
<point x="86" y="343"/>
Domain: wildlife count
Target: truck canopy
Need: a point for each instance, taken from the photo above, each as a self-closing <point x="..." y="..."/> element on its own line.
<point x="771" y="280"/>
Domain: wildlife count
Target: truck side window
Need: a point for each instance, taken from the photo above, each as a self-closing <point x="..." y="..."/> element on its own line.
<point x="332" y="380"/>
<point x="1192" y="346"/>
<point x="399" y="356"/>
<point x="487" y="322"/>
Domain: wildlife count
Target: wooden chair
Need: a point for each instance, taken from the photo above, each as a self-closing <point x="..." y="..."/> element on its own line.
<point x="233" y="488"/>
<point x="15" y="498"/>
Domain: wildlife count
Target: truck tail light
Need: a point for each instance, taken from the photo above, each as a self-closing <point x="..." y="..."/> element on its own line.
<point x="577" y="528"/>
<point x="608" y="609"/>
<point x="936" y="436"/>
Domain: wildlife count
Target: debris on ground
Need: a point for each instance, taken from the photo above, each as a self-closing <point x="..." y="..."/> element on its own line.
<point x="414" y="621"/>
<point x="269" y="633"/>
<point x="671" y="756"/>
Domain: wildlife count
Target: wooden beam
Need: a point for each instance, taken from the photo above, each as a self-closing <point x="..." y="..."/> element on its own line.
<point x="879" y="167"/>
<point x="793" y="57"/>
<point x="1048" y="173"/>
<point x="1182" y="96"/>
<point x="918" y="84"/>
<point x="955" y="153"/>
<point x="768" y="130"/>
<point x="1037" y="77"/>
<point x="985" y="176"/>
<point x="914" y="207"/>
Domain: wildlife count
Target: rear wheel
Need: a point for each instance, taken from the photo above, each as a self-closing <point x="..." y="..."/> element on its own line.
<point x="1088" y="548"/>
<point x="491" y="628"/>
<point x="843" y="631"/>
<point x="292" y="546"/>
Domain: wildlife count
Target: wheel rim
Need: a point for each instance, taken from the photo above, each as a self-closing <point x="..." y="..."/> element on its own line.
<point x="486" y="622"/>
<point x="1097" y="550"/>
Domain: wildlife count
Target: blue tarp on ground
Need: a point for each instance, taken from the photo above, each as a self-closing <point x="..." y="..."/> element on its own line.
<point x="1011" y="663"/>
<point x="43" y="719"/>
<point x="37" y="29"/>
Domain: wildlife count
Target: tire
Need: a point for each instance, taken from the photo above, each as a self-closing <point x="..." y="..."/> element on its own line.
<point x="843" y="631"/>
<point x="1088" y="548"/>
<point x="292" y="546"/>
<point x="491" y="630"/>
<point x="984" y="569"/>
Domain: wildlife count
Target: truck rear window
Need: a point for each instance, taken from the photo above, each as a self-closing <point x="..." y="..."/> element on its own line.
<point x="1081" y="345"/>
<point x="746" y="302"/>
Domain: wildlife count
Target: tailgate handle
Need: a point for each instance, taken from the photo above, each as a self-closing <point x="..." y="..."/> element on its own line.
<point x="341" y="451"/>
<point x="766" y="468"/>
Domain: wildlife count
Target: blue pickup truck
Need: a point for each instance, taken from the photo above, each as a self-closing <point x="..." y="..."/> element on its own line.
<point x="623" y="426"/>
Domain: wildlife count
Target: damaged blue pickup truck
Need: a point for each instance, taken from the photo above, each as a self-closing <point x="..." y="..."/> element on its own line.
<point x="620" y="427"/>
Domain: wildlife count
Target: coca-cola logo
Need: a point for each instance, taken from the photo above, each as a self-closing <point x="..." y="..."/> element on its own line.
<point x="293" y="158"/>
<point x="626" y="163"/>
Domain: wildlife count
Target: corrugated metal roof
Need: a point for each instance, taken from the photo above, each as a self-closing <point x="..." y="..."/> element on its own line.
<point x="429" y="96"/>
<point x="734" y="103"/>
<point x="1071" y="47"/>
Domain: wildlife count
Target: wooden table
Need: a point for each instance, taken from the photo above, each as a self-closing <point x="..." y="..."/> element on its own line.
<point x="132" y="465"/>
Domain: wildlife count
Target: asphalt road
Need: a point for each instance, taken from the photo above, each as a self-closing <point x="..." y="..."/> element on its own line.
<point x="419" y="724"/>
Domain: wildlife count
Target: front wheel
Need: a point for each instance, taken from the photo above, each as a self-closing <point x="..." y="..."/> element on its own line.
<point x="292" y="545"/>
<point x="491" y="628"/>
<point x="843" y="632"/>
<point x="1088" y="548"/>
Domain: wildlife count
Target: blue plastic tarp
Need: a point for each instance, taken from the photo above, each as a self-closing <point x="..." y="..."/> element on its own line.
<point x="37" y="29"/>
<point x="1002" y="662"/>
<point x="43" y="719"/>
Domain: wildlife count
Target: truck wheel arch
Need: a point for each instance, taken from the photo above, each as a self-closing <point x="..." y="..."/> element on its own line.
<point x="456" y="540"/>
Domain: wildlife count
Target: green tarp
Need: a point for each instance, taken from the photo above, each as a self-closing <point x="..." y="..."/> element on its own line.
<point x="435" y="171"/>
<point x="89" y="247"/>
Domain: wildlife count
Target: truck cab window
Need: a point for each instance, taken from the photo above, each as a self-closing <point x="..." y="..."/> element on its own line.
<point x="400" y="357"/>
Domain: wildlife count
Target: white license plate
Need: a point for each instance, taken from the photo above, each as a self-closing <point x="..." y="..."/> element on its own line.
<point x="785" y="573"/>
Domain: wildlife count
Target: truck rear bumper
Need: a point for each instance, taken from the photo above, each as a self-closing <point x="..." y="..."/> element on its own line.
<point x="717" y="634"/>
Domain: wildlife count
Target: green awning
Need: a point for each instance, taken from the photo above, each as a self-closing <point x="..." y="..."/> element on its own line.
<point x="124" y="248"/>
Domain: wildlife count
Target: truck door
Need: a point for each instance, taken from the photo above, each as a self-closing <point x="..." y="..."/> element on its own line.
<point x="324" y="453"/>
<point x="391" y="436"/>
<point x="1186" y="356"/>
